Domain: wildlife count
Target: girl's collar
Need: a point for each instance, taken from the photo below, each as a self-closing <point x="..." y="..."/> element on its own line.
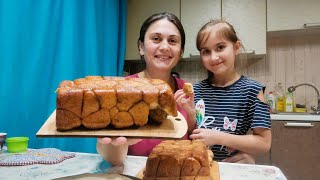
<point x="227" y="84"/>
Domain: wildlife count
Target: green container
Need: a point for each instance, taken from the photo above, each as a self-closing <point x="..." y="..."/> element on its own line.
<point x="17" y="144"/>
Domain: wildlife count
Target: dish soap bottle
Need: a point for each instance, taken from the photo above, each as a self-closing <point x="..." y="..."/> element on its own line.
<point x="272" y="102"/>
<point x="289" y="102"/>
<point x="280" y="97"/>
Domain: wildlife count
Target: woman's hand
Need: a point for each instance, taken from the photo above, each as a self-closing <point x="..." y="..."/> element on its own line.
<point x="187" y="103"/>
<point x="184" y="101"/>
<point x="117" y="141"/>
<point x="241" y="157"/>
<point x="114" y="150"/>
<point x="209" y="136"/>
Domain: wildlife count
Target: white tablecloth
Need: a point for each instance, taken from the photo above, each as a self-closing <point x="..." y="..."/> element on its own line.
<point x="93" y="163"/>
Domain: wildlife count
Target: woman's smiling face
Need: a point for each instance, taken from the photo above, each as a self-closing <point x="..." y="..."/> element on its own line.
<point x="162" y="46"/>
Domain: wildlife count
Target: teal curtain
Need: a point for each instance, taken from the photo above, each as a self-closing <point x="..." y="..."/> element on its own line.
<point x="43" y="42"/>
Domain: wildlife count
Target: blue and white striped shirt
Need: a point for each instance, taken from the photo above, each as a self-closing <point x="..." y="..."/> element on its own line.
<point x="233" y="109"/>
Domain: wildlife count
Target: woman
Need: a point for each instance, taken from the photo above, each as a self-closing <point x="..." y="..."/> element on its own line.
<point x="161" y="45"/>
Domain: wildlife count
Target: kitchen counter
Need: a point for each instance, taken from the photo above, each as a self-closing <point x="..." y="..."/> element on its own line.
<point x="93" y="163"/>
<point x="295" y="117"/>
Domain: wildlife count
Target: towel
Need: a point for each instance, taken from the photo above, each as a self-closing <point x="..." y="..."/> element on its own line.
<point x="36" y="156"/>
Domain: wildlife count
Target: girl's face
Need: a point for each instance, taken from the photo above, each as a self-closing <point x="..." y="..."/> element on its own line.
<point x="218" y="54"/>
<point x="162" y="46"/>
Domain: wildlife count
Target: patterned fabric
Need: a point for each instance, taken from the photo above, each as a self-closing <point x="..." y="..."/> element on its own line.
<point x="36" y="156"/>
<point x="233" y="109"/>
<point x="144" y="147"/>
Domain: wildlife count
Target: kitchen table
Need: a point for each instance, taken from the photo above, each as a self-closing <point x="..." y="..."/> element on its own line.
<point x="93" y="163"/>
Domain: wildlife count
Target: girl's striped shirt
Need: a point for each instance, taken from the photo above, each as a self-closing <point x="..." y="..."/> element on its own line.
<point x="233" y="109"/>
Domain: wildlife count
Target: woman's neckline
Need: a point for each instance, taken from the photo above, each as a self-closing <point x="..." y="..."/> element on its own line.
<point x="173" y="84"/>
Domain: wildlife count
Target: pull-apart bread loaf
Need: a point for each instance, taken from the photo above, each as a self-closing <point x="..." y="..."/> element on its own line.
<point x="97" y="102"/>
<point x="179" y="159"/>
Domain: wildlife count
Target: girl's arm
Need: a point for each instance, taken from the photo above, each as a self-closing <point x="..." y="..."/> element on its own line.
<point x="241" y="157"/>
<point x="256" y="143"/>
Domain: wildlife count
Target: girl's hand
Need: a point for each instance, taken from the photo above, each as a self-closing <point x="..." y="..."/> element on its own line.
<point x="241" y="157"/>
<point x="184" y="101"/>
<point x="209" y="136"/>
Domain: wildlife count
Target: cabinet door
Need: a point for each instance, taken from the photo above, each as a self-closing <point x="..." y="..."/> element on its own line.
<point x="296" y="149"/>
<point x="137" y="12"/>
<point x="248" y="17"/>
<point x="194" y="14"/>
<point x="292" y="14"/>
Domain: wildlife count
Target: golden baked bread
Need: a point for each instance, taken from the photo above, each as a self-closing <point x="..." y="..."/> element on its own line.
<point x="179" y="159"/>
<point x="97" y="102"/>
<point x="188" y="89"/>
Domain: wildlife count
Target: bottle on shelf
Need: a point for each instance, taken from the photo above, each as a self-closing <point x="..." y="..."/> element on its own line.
<point x="272" y="101"/>
<point x="289" y="103"/>
<point x="279" y="97"/>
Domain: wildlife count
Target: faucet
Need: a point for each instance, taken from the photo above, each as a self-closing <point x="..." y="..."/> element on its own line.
<point x="316" y="110"/>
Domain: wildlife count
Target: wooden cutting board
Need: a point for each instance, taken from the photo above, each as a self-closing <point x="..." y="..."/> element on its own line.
<point x="214" y="172"/>
<point x="172" y="128"/>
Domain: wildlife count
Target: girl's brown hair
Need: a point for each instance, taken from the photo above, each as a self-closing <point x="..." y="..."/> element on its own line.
<point x="223" y="29"/>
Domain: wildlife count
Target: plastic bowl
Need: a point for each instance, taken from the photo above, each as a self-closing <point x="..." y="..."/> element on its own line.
<point x="17" y="144"/>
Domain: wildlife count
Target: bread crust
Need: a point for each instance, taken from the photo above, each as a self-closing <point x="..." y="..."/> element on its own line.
<point x="97" y="120"/>
<point x="140" y="113"/>
<point x="66" y="120"/>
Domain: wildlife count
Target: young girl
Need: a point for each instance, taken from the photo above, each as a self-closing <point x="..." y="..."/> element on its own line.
<point x="226" y="104"/>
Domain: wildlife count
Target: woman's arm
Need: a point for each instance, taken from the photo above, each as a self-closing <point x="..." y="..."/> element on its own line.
<point x="187" y="103"/>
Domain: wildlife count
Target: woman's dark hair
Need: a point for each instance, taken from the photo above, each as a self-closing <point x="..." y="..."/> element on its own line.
<point x="155" y="17"/>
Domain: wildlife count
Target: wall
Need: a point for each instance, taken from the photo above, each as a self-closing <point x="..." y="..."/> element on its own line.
<point x="294" y="60"/>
